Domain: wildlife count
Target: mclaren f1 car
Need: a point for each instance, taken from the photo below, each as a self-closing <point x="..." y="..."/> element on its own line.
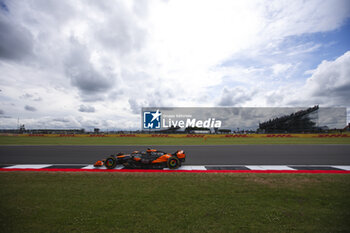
<point x="149" y="159"/>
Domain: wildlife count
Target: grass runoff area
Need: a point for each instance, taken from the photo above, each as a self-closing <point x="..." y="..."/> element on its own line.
<point x="173" y="202"/>
<point x="9" y="140"/>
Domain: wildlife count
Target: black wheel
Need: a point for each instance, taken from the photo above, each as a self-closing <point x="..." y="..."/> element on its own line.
<point x="173" y="163"/>
<point x="110" y="163"/>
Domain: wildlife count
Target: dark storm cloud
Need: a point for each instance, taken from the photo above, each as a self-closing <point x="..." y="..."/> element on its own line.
<point x="16" y="42"/>
<point x="83" y="74"/>
<point x="3" y="6"/>
<point x="1" y="112"/>
<point x="30" y="108"/>
<point x="84" y="108"/>
<point x="341" y="94"/>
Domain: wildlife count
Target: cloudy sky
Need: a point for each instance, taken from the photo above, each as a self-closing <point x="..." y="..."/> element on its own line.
<point x="86" y="64"/>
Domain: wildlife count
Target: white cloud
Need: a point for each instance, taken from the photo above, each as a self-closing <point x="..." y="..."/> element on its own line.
<point x="328" y="85"/>
<point x="330" y="82"/>
<point x="280" y="68"/>
<point x="289" y="18"/>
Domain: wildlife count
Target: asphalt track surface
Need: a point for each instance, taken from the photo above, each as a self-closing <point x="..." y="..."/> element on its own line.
<point x="196" y="155"/>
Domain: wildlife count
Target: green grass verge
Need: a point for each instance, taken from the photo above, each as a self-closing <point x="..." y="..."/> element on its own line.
<point x="173" y="202"/>
<point x="8" y="140"/>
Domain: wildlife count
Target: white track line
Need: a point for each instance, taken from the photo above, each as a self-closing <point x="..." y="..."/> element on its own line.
<point x="270" y="167"/>
<point x="101" y="168"/>
<point x="92" y="167"/>
<point x="33" y="166"/>
<point x="347" y="168"/>
<point x="185" y="167"/>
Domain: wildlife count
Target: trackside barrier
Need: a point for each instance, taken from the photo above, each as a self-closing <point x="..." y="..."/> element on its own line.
<point x="279" y="136"/>
<point x="206" y="136"/>
<point x="236" y="136"/>
<point x="333" y="135"/>
<point x="195" y="136"/>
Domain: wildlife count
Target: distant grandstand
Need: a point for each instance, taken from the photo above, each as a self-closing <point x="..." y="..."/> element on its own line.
<point x="299" y="122"/>
<point x="22" y="130"/>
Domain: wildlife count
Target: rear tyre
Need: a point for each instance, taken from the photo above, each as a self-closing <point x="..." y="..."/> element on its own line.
<point x="110" y="163"/>
<point x="173" y="163"/>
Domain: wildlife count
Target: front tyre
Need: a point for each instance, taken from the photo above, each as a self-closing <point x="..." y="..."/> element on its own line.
<point x="111" y="163"/>
<point x="173" y="163"/>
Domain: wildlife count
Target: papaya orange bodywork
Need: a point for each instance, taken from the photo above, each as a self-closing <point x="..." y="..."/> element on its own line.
<point x="181" y="155"/>
<point x="161" y="159"/>
<point x="98" y="163"/>
<point x="150" y="159"/>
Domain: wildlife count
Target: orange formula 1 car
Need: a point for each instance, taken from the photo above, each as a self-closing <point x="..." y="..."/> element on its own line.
<point x="150" y="159"/>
